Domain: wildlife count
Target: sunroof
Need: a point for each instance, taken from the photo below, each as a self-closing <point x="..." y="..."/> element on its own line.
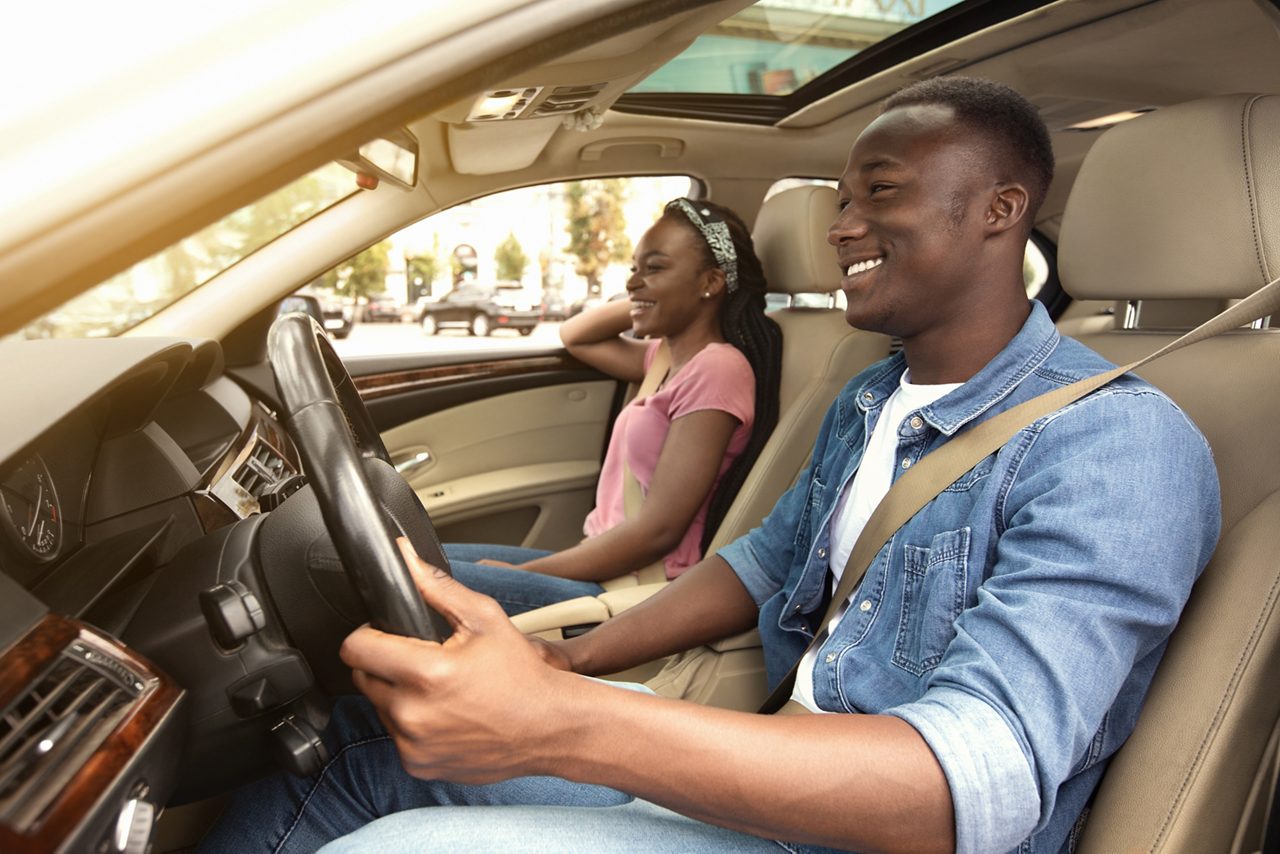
<point x="775" y="57"/>
<point x="774" y="47"/>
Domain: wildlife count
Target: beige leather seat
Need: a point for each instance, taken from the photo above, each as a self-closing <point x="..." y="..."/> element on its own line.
<point x="820" y="353"/>
<point x="1184" y="204"/>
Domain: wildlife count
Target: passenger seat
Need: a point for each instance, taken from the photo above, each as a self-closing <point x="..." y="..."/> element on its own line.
<point x="820" y="353"/>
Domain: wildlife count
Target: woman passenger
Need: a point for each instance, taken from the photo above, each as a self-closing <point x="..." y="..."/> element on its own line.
<point x="697" y="287"/>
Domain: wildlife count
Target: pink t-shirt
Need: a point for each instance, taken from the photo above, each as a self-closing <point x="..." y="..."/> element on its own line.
<point x="718" y="377"/>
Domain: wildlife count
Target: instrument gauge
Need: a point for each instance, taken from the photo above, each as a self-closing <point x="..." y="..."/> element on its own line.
<point x="29" y="509"/>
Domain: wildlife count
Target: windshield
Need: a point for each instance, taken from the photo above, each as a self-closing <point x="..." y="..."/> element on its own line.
<point x="132" y="296"/>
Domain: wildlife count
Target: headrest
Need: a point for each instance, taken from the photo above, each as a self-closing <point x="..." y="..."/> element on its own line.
<point x="791" y="239"/>
<point x="1181" y="203"/>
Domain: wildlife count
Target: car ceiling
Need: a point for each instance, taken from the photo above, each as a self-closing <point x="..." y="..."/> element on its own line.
<point x="1075" y="59"/>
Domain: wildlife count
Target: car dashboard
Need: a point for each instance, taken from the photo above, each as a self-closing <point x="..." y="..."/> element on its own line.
<point x="114" y="454"/>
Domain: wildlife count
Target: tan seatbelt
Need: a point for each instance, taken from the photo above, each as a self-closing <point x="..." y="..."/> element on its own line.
<point x="940" y="468"/>
<point x="632" y="494"/>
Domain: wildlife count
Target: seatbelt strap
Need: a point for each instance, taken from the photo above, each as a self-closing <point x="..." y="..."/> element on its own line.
<point x="919" y="485"/>
<point x="632" y="495"/>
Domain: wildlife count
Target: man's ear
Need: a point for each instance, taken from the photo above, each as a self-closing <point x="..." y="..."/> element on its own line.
<point x="1007" y="209"/>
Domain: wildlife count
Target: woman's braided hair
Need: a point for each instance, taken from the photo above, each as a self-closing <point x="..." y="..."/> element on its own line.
<point x="744" y="325"/>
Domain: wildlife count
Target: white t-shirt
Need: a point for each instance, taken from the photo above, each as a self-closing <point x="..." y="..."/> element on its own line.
<point x="862" y="493"/>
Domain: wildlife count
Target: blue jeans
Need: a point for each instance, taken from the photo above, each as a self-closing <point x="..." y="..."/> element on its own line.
<point x="363" y="799"/>
<point x="517" y="591"/>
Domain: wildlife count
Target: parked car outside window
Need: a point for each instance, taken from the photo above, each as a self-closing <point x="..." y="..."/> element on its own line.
<point x="305" y="303"/>
<point x="339" y="314"/>
<point x="554" y="308"/>
<point x="382" y="308"/>
<point x="481" y="308"/>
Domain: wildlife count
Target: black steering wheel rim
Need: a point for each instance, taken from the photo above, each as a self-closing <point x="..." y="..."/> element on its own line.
<point x="335" y="435"/>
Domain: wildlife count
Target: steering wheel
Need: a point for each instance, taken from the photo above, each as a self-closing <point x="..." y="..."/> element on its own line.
<point x="341" y="449"/>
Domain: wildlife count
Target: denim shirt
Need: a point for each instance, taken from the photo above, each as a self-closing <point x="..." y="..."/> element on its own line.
<point x="1016" y="621"/>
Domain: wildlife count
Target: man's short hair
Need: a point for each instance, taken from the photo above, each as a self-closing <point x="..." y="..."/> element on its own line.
<point x="1008" y="120"/>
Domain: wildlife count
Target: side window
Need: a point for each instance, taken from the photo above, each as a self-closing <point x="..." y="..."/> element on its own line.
<point x="499" y="272"/>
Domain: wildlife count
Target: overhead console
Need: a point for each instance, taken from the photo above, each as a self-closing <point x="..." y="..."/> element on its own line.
<point x="572" y="92"/>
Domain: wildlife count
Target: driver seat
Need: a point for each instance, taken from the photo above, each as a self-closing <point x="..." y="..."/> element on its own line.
<point x="1183" y="204"/>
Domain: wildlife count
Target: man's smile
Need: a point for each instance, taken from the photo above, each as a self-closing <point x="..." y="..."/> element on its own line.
<point x="863" y="266"/>
<point x="854" y="271"/>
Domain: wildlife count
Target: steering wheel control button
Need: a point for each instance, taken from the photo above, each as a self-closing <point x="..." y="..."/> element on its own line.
<point x="297" y="747"/>
<point x="233" y="613"/>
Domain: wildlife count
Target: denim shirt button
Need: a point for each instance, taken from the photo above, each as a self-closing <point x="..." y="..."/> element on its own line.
<point x="916" y="422"/>
<point x="822" y="553"/>
<point x="868" y="396"/>
<point x="831" y="656"/>
<point x="864" y="606"/>
<point x="906" y="463"/>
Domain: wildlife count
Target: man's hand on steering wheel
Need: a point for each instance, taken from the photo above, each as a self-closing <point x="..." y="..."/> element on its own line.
<point x="471" y="709"/>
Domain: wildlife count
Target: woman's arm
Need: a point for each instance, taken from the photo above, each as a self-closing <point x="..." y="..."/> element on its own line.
<point x="686" y="470"/>
<point x="594" y="337"/>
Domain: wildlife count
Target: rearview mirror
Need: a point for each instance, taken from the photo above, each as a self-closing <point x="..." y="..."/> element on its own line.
<point x="391" y="157"/>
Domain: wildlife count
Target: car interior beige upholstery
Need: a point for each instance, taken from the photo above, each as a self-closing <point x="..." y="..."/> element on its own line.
<point x="820" y="353"/>
<point x="1184" y="204"/>
<point x="489" y="478"/>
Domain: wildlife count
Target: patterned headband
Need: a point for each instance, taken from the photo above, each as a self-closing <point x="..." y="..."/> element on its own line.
<point x="716" y="232"/>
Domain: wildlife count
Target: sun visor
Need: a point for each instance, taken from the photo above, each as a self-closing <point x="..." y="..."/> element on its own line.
<point x="488" y="148"/>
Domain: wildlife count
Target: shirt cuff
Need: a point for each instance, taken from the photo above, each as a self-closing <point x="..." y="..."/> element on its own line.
<point x="743" y="561"/>
<point x="993" y="792"/>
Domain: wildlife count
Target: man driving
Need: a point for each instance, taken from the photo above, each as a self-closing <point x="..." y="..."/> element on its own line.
<point x="972" y="689"/>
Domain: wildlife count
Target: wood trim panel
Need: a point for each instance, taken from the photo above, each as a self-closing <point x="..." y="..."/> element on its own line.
<point x="260" y="422"/>
<point x="27" y="659"/>
<point x="212" y="513"/>
<point x="373" y="386"/>
<point x="32" y="654"/>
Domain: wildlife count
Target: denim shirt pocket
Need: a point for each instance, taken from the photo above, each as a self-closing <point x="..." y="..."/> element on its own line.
<point x="934" y="584"/>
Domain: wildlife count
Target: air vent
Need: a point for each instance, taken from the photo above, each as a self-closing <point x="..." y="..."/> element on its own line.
<point x="263" y="467"/>
<point x="48" y="732"/>
<point x="259" y="468"/>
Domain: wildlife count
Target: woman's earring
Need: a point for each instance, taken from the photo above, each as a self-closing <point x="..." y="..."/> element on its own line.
<point x="706" y="294"/>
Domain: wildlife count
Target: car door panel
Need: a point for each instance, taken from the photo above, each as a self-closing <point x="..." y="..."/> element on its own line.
<point x="496" y="454"/>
